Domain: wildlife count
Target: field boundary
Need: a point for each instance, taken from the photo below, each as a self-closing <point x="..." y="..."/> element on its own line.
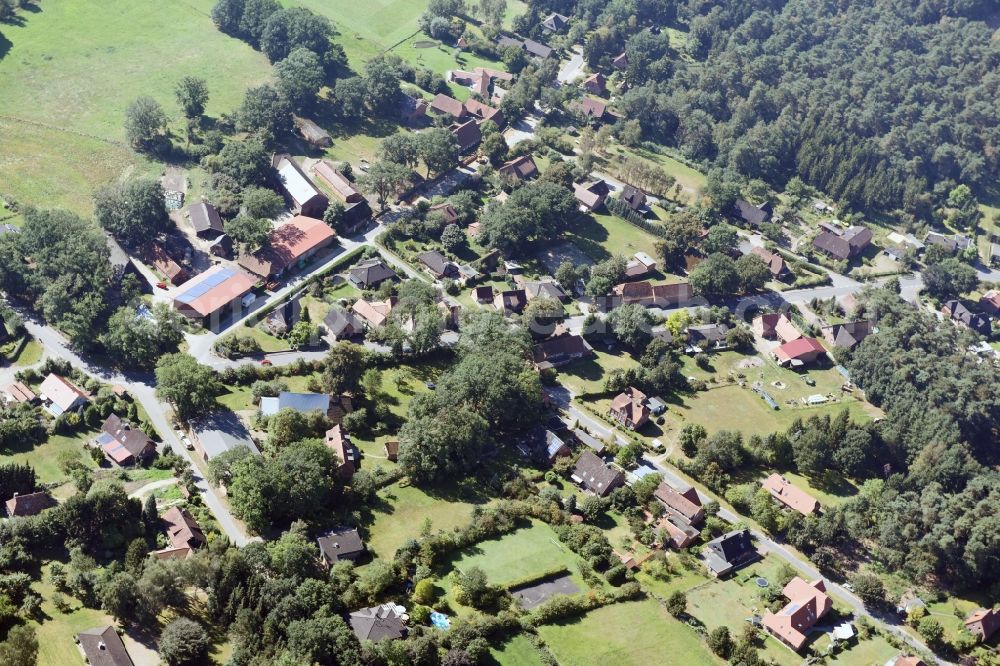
<point x="35" y="123"/>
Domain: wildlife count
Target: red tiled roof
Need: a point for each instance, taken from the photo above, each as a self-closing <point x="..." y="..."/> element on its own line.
<point x="789" y="495"/>
<point x="213" y="290"/>
<point x="449" y="105"/>
<point x="337" y="182"/>
<point x="798" y="348"/>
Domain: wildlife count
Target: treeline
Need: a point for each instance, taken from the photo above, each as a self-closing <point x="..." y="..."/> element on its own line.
<point x="814" y="89"/>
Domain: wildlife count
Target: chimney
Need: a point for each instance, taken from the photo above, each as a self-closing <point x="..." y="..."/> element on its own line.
<point x="15" y="495"/>
<point x="102" y="646"/>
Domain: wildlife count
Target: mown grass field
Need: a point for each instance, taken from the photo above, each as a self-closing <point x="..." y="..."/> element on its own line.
<point x="528" y="551"/>
<point x="368" y="28"/>
<point x="518" y="651"/>
<point x="45" y="457"/>
<point x="402" y="510"/>
<point x="635" y="632"/>
<point x="73" y="67"/>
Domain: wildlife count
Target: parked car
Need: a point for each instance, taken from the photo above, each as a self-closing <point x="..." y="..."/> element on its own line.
<point x="266" y="361"/>
<point x="161" y="285"/>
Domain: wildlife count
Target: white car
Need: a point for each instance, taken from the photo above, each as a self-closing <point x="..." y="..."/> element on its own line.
<point x="187" y="443"/>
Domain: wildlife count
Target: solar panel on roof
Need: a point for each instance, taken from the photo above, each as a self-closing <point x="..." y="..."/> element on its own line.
<point x="202" y="288"/>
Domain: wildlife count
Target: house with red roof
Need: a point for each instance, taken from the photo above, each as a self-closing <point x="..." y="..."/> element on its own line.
<point x="789" y="496"/>
<point x="983" y="623"/>
<point x="629" y="408"/>
<point x="59" y="395"/>
<point x="807" y="604"/>
<point x="800" y="352"/>
<point x="773" y="325"/>
<point x="294" y="242"/>
<point x="212" y="292"/>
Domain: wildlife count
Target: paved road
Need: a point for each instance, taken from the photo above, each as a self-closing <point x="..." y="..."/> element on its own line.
<point x="572" y="68"/>
<point x="143" y="390"/>
<point x="564" y="398"/>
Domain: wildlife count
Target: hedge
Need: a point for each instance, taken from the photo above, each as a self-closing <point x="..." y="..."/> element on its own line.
<point x="532" y="579"/>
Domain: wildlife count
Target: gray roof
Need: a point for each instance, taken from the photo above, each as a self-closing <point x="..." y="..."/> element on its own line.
<point x="595" y="476"/>
<point x="222" y="431"/>
<point x="340" y="542"/>
<point x="300" y="402"/>
<point x="104" y="647"/>
<point x="376" y="623"/>
<point x="372" y="273"/>
<point x="204" y="217"/>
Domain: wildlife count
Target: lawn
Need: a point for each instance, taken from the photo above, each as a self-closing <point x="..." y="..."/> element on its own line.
<point x="692" y="180"/>
<point x="635" y="632"/>
<point x="56" y="646"/>
<point x="44" y="458"/>
<point x="402" y="509"/>
<point x="30" y="354"/>
<point x="518" y="651"/>
<point x="588" y="375"/>
<point x="602" y="236"/>
<point x="368" y="28"/>
<point x="74" y="67"/>
<point x="529" y="551"/>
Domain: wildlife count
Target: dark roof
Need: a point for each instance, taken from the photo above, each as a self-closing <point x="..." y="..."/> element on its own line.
<point x="730" y="550"/>
<point x="555" y="22"/>
<point x="710" y="332"/>
<point x="124" y="438"/>
<point x="595" y="475"/>
<point x="104" y="647"/>
<point x="960" y="312"/>
<point x="182" y="529"/>
<point x="633" y="197"/>
<point x="448" y="105"/>
<point x="849" y="334"/>
<point x="752" y="215"/>
<point x="590" y="441"/>
<point x="337" y="321"/>
<point x="560" y="349"/>
<point x="520" y="167"/>
<point x="537" y="48"/>
<point x="376" y="623"/>
<point x="30" y="504"/>
<point x="435" y="261"/>
<point x="204" y="218"/>
<point x="467" y="135"/>
<point x="372" y="273"/>
<point x="340" y="542"/>
<point x="447" y="211"/>
<point x="513" y="300"/>
<point x="833" y="245"/>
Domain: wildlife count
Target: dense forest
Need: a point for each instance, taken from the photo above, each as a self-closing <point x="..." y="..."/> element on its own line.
<point x="881" y="104"/>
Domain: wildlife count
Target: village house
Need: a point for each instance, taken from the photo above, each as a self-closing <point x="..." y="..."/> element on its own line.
<point x="590" y="108"/>
<point x="446" y="211"/>
<point x="303" y="196"/>
<point x="341" y="543"/>
<point x="629" y="408"/>
<point x="562" y="348"/>
<point x="555" y="447"/>
<point x="467" y="135"/>
<point x="290" y="245"/>
<point x="213" y="294"/>
<point x="313" y="133"/>
<point x="519" y="169"/>
<point x="620" y="61"/>
<point x="596" y="477"/>
<point x="219" y="432"/>
<point x="512" y="301"/>
<point x="339" y="442"/>
<point x="341" y="325"/>
<point x="789" y="496"/>
<point x="990" y="302"/>
<point x="479" y="80"/>
<point x="905" y="660"/>
<point x="378" y="623"/>
<point x="103" y="647"/>
<point x="221" y="247"/>
<point x="483" y="294"/>
<point x="537" y="49"/>
<point x="437" y="264"/>
<point x="157" y="255"/>
<point x="588" y="440"/>
<point x="847" y="335"/>
<point x="546" y="287"/>
<point x="951" y="243"/>
<point x="685" y="505"/>
<point x="555" y="23"/>
<point x="483" y="112"/>
<point x="726" y="553"/>
<point x="205" y="220"/>
<point x="412" y="110"/>
<point x="28" y="504"/>
<point x="960" y="313"/>
<point x="807" y="604"/>
<point x="843" y="246"/>
<point x="752" y="215"/>
<point x="775" y="263"/>
<point x="800" y="352"/>
<point x="281" y="319"/>
<point x="59" y="395"/>
<point x="300" y="402"/>
<point x="370" y="274"/>
<point x="596" y="84"/>
<point x="775" y="325"/>
<point x="634" y="198"/>
<point x="650" y="295"/>
<point x="374" y="313"/>
<point x="983" y="623"/>
<point x="183" y="533"/>
<point x="445" y="105"/>
<point x="678" y="533"/>
<point x="122" y="444"/>
<point x="18" y="393"/>
<point x="356" y="208"/>
<point x="707" y="336"/>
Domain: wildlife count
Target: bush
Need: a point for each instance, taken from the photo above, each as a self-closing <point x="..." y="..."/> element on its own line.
<point x="183" y="643"/>
<point x="720" y="642"/>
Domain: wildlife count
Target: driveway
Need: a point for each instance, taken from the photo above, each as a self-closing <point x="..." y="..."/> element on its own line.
<point x="570" y="69"/>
